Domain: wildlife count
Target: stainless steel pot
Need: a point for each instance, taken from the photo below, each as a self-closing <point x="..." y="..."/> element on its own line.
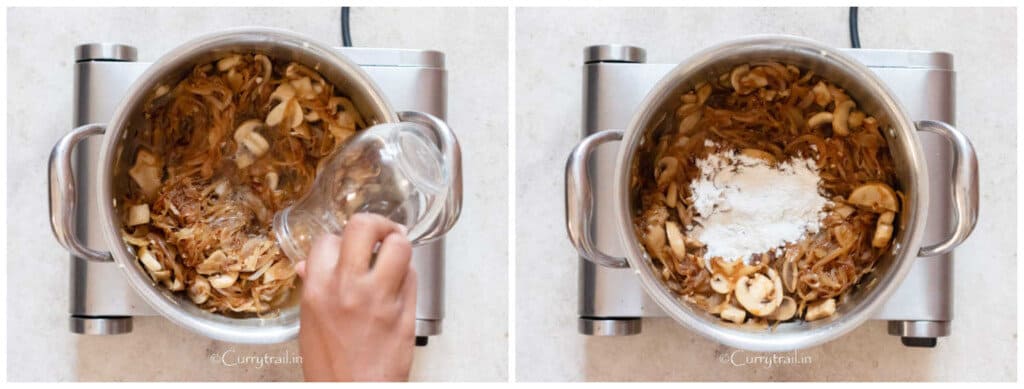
<point x="349" y="80"/>
<point x="872" y="96"/>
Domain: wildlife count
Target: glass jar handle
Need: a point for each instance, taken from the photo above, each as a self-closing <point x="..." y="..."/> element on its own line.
<point x="449" y="147"/>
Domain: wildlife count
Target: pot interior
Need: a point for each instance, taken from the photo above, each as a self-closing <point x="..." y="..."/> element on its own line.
<point x="119" y="152"/>
<point x="656" y="115"/>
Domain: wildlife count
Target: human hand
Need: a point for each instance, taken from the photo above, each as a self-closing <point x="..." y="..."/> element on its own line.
<point x="358" y="321"/>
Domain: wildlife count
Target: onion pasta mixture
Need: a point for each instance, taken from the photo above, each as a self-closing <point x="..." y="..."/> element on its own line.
<point x="215" y="157"/>
<point x="775" y="113"/>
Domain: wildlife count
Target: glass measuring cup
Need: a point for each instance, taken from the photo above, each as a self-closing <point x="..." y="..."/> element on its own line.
<point x="408" y="172"/>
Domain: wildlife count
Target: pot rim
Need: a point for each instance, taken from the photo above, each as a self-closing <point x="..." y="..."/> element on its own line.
<point x="820" y="332"/>
<point x="257" y="330"/>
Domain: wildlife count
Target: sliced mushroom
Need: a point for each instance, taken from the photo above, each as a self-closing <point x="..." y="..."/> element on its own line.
<point x="755" y="78"/>
<point x="883" y="232"/>
<point x="247" y="136"/>
<point x="244" y="130"/>
<point x="793" y="70"/>
<point x="303" y="88"/>
<point x="841" y="118"/>
<point x="265" y="66"/>
<point x="690" y="122"/>
<point x="887" y="217"/>
<point x="223" y="281"/>
<point x="288" y="109"/>
<point x="822" y="96"/>
<point x="281" y="270"/>
<point x="654" y="239"/>
<point x="276" y="115"/>
<point x="870" y="124"/>
<point x="134" y="240"/>
<point x="311" y="116"/>
<point x="174" y="285"/>
<point x="244" y="159"/>
<point x="820" y="310"/>
<point x="675" y="240"/>
<point x="856" y="119"/>
<point x="785" y="311"/>
<point x="235" y="80"/>
<point x="844" y="234"/>
<point x="161" y="275"/>
<point x="229" y="62"/>
<point x="271" y="179"/>
<point x="721" y="284"/>
<point x="296" y="70"/>
<point x="283" y="93"/>
<point x="733" y="314"/>
<point x="723" y="80"/>
<point x="199" y="292"/>
<point x="149" y="261"/>
<point x="819" y="119"/>
<point x="672" y="195"/>
<point x="146" y="172"/>
<point x="685" y="218"/>
<point x="666" y="170"/>
<point x="259" y="273"/>
<point x="713" y="303"/>
<point x="138" y="214"/>
<point x="736" y="76"/>
<point x="756" y="324"/>
<point x="844" y="211"/>
<point x="703" y="92"/>
<point x="222" y="188"/>
<point x="256" y="144"/>
<point x="759" y="294"/>
<point x="343" y="126"/>
<point x="837" y="94"/>
<point x="295" y="113"/>
<point x="687" y="109"/>
<point x="161" y="90"/>
<point x="213" y="264"/>
<point x="178" y="269"/>
<point x="790" y="272"/>
<point x="876" y="196"/>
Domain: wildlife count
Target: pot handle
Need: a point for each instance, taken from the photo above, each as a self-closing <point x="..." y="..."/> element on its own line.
<point x="63" y="194"/>
<point x="452" y="152"/>
<point x="579" y="199"/>
<point x="965" y="186"/>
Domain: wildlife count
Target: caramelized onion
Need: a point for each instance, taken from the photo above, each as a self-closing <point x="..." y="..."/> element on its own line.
<point x="223" y="171"/>
<point x="775" y="112"/>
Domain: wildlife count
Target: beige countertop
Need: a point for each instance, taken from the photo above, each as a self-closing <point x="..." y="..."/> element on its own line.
<point x="549" y="57"/>
<point x="473" y="346"/>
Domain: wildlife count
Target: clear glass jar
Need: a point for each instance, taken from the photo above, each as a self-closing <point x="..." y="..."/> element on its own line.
<point x="396" y="170"/>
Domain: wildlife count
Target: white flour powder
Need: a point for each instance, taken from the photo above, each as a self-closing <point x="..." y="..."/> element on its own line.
<point x="745" y="206"/>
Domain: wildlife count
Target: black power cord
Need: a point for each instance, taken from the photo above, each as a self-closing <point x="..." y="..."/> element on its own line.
<point x="346" y="37"/>
<point x="854" y="31"/>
